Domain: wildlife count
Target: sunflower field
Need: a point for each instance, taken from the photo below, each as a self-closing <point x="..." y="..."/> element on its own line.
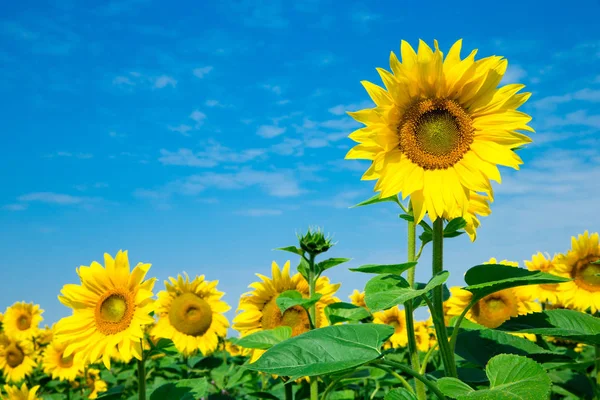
<point x="441" y="127"/>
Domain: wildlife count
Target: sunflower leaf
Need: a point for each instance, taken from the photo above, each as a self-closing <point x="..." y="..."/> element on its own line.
<point x="265" y="339"/>
<point x="567" y="324"/>
<point x="384" y="269"/>
<point x="330" y="263"/>
<point x="399" y="394"/>
<point x="385" y="291"/>
<point x="347" y="346"/>
<point x="293" y="298"/>
<point x="377" y="199"/>
<point x="291" y="249"/>
<point x="303" y="267"/>
<point x="490" y="278"/>
<point x="455" y="225"/>
<point x="345" y="312"/>
<point x="407" y="217"/>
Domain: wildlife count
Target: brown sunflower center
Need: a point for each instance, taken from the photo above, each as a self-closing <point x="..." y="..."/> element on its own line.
<point x="587" y="274"/>
<point x="14" y="355"/>
<point x="24" y="322"/>
<point x="398" y="326"/>
<point x="190" y="314"/>
<point x="65" y="362"/>
<point x="493" y="310"/>
<point x="295" y="317"/>
<point x="435" y="133"/>
<point x="114" y="311"/>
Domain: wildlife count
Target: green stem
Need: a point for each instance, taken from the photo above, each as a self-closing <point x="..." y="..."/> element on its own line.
<point x="598" y="365"/>
<point x="396" y="375"/>
<point x="408" y="307"/>
<point x="457" y="324"/>
<point x="414" y="374"/>
<point x="142" y="378"/>
<point x="437" y="311"/>
<point x="426" y="359"/>
<point x="289" y="394"/>
<point x="312" y="283"/>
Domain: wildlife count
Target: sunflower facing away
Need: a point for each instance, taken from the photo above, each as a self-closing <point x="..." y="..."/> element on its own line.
<point x="16" y="359"/>
<point x="259" y="311"/>
<point x="191" y="314"/>
<point x="20" y="393"/>
<point x="441" y="128"/>
<point x="110" y="309"/>
<point x="358" y="298"/>
<point x="60" y="367"/>
<point x="394" y="317"/>
<point x="548" y="293"/>
<point x="21" y="320"/>
<point x="582" y="264"/>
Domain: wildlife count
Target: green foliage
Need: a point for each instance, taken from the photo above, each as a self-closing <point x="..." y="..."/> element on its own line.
<point x="292" y="298"/>
<point x="399" y="394"/>
<point x="384" y="269"/>
<point x="377" y="199"/>
<point x="345" y="312"/>
<point x="330" y="263"/>
<point x="265" y="339"/>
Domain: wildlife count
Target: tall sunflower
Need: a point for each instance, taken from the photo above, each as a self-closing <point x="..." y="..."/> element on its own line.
<point x="21" y="320"/>
<point x="17" y="359"/>
<point x="110" y="309"/>
<point x="20" y="393"/>
<point x="394" y="317"/>
<point x="440" y="130"/>
<point x="548" y="293"/>
<point x="258" y="309"/>
<point x="60" y="367"/>
<point x="191" y="314"/>
<point x="358" y="298"/>
<point x="582" y="264"/>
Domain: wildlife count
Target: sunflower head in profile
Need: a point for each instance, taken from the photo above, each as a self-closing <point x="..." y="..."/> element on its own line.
<point x="110" y="309"/>
<point x="582" y="264"/>
<point x="21" y="320"/>
<point x="479" y="206"/>
<point x="60" y="367"/>
<point x="20" y="393"/>
<point x="547" y="293"/>
<point x="440" y="129"/>
<point x="258" y="309"/>
<point x="394" y="317"/>
<point x="17" y="359"/>
<point x="191" y="314"/>
<point x="358" y="298"/>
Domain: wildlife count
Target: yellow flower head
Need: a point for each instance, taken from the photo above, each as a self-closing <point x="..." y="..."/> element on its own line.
<point x="21" y="320"/>
<point x="547" y="293"/>
<point x="60" y="367"/>
<point x="479" y="205"/>
<point x="394" y="317"/>
<point x="581" y="263"/>
<point x="424" y="334"/>
<point x="17" y="359"/>
<point x="94" y="384"/>
<point x="258" y="309"/>
<point x="44" y="336"/>
<point x="191" y="314"/>
<point x="110" y="309"/>
<point x="22" y="393"/>
<point x="358" y="298"/>
<point x="440" y="130"/>
<point x="235" y="350"/>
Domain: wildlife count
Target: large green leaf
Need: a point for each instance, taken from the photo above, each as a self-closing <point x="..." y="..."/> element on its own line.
<point x="489" y="278"/>
<point x="292" y="298"/>
<point x="384" y="269"/>
<point x="511" y="378"/>
<point x="325" y="350"/>
<point x="184" y="389"/>
<point x="385" y="291"/>
<point x="265" y="339"/>
<point x="568" y="324"/>
<point x="479" y="346"/>
<point x="330" y="263"/>
<point x="345" y="312"/>
<point x="399" y="394"/>
<point x="377" y="199"/>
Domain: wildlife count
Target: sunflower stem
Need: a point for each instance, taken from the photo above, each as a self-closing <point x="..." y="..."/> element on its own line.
<point x="142" y="378"/>
<point x="438" y="300"/>
<point x="408" y="306"/>
<point x="597" y="363"/>
<point x="289" y="394"/>
<point x="312" y="284"/>
<point x="432" y="386"/>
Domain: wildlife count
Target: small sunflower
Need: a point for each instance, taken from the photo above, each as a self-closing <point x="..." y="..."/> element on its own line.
<point x="110" y="309"/>
<point x="547" y="293"/>
<point x="21" y="320"/>
<point x="191" y="314"/>
<point x="423" y="335"/>
<point x="394" y="317"/>
<point x="259" y="311"/>
<point x="22" y="393"/>
<point x="235" y="350"/>
<point x="440" y="129"/>
<point x="60" y="367"/>
<point x="358" y="298"/>
<point x="94" y="384"/>
<point x="17" y="359"/>
<point x="582" y="264"/>
<point x="44" y="336"/>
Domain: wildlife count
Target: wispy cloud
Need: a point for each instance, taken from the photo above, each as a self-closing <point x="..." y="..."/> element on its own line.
<point x="199" y="117"/>
<point x="270" y="131"/>
<point x="54" y="198"/>
<point x="514" y="74"/>
<point x="260" y="212"/>
<point x="341" y="109"/>
<point x="15" y="207"/>
<point x="164" y="81"/>
<point x="273" y="88"/>
<point x="550" y="103"/>
<point x="202" y="71"/>
<point x="134" y="78"/>
<point x="183" y="129"/>
<point x="212" y="155"/>
<point x="68" y="154"/>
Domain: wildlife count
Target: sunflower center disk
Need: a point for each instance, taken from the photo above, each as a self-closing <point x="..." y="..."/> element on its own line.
<point x="295" y="317"/>
<point x="114" y="312"/>
<point x="492" y="311"/>
<point x="588" y="275"/>
<point x="23" y="322"/>
<point x="113" y="308"/>
<point x="435" y="133"/>
<point x="398" y="327"/>
<point x="14" y="356"/>
<point x="66" y="362"/>
<point x="190" y="314"/>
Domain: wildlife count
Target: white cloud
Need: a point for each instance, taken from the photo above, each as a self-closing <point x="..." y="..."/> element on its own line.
<point x="81" y="156"/>
<point x="260" y="212"/>
<point x="513" y="74"/>
<point x="114" y="134"/>
<point x="213" y="103"/>
<point x="164" y="81"/>
<point x="344" y="124"/>
<point x="289" y="147"/>
<point x="15" y="207"/>
<point x="576" y="118"/>
<point x="51" y="198"/>
<point x="199" y="117"/>
<point x="202" y="71"/>
<point x="270" y="131"/>
<point x="123" y="80"/>
<point x="283" y="102"/>
<point x="273" y="88"/>
<point x="341" y="109"/>
<point x="183" y="129"/>
<point x="212" y="155"/>
<point x="341" y="200"/>
<point x="551" y="102"/>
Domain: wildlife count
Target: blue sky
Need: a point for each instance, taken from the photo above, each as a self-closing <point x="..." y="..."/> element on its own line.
<point x="200" y="137"/>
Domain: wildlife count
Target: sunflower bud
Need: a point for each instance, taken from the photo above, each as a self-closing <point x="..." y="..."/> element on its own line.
<point x="314" y="242"/>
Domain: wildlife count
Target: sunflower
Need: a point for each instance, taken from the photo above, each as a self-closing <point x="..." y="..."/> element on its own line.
<point x="479" y="205"/>
<point x="581" y="263"/>
<point x="22" y="393"/>
<point x="547" y="293"/>
<point x="394" y="317"/>
<point x="358" y="298"/>
<point x="17" y="359"/>
<point x="60" y="367"/>
<point x="235" y="350"/>
<point x="259" y="311"/>
<point x="21" y="320"/>
<point x="110" y="309"/>
<point x="441" y="128"/>
<point x="423" y="335"/>
<point x="44" y="336"/>
<point x="191" y="314"/>
<point x="94" y="383"/>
